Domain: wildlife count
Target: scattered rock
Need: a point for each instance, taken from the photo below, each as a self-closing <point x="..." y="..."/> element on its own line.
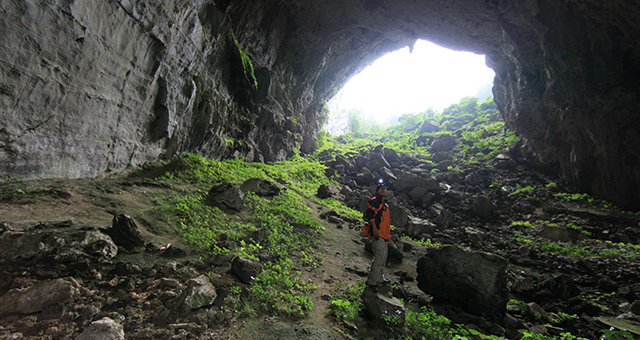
<point x="226" y="197"/>
<point x="444" y="142"/>
<point x="260" y="187"/>
<point x="482" y="207"/>
<point x="245" y="269"/>
<point x="125" y="232"/>
<point x="419" y="228"/>
<point x="381" y="303"/>
<point x="104" y="329"/>
<point x="199" y="293"/>
<point x="38" y="297"/>
<point x="324" y="192"/>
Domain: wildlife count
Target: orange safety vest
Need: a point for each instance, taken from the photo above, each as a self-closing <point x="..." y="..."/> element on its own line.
<point x="377" y="212"/>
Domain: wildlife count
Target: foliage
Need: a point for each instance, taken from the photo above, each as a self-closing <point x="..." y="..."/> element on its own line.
<point x="585" y="248"/>
<point x="477" y="126"/>
<point x="14" y="189"/>
<point x="246" y="62"/>
<point x="614" y="334"/>
<point x="430" y="326"/>
<point x="287" y="229"/>
<point x="346" y="304"/>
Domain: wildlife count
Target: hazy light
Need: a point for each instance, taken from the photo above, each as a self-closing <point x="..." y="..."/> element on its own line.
<point x="404" y="82"/>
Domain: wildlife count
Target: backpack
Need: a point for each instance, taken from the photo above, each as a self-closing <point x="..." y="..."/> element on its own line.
<point x="367" y="228"/>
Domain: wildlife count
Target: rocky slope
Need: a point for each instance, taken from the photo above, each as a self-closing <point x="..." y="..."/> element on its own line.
<point x="81" y="273"/>
<point x="91" y="87"/>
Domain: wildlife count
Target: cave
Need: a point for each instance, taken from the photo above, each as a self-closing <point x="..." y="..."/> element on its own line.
<point x="89" y="87"/>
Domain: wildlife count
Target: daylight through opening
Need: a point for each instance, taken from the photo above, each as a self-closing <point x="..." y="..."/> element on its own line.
<point x="428" y="78"/>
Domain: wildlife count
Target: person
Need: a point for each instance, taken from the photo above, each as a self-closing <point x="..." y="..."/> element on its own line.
<point x="378" y="228"/>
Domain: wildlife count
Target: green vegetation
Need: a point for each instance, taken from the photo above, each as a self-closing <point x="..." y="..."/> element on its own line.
<point x="522" y="224"/>
<point x="246" y="62"/>
<point x="585" y="248"/>
<point x="280" y="226"/>
<point x="346" y="304"/>
<point x="14" y="189"/>
<point x="19" y="191"/>
<point x="477" y="127"/>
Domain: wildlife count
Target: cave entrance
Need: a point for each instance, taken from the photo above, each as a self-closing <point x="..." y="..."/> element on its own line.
<point x="410" y="81"/>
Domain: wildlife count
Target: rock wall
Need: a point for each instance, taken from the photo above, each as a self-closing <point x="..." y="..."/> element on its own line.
<point x="88" y="87"/>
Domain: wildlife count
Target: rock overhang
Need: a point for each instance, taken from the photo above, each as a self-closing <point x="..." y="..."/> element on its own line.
<point x="134" y="81"/>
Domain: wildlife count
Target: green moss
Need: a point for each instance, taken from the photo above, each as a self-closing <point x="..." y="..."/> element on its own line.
<point x="246" y="62"/>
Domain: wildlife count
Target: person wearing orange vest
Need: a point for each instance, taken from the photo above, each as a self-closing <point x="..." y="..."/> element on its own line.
<point x="379" y="231"/>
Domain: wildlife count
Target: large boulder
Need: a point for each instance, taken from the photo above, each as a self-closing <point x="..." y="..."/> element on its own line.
<point x="125" y="232"/>
<point x="324" y="191"/>
<point x="418" y="227"/>
<point x="482" y="207"/>
<point x="199" y="293"/>
<point x="226" y="197"/>
<point x="245" y="269"/>
<point x="62" y="246"/>
<point x="428" y="127"/>
<point x="444" y="142"/>
<point x="36" y="298"/>
<point x="421" y="196"/>
<point x="408" y="181"/>
<point x="377" y="161"/>
<point x="475" y="281"/>
<point x="260" y="187"/>
<point x="399" y="215"/>
<point x="380" y="303"/>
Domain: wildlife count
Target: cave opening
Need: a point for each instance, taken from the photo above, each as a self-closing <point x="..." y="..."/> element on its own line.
<point x="423" y="78"/>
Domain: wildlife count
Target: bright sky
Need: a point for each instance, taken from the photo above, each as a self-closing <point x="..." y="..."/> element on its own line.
<point x="404" y="82"/>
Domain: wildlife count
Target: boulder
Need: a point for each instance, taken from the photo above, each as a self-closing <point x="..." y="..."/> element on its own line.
<point x="125" y="232"/>
<point x="36" y="298"/>
<point x="445" y="165"/>
<point x="324" y="192"/>
<point x="98" y="244"/>
<point x="199" y="293"/>
<point x="381" y="303"/>
<point x="443" y="217"/>
<point x="562" y="286"/>
<point x="555" y="232"/>
<point x="347" y="164"/>
<point x="407" y="181"/>
<point x="475" y="281"/>
<point x="444" y="142"/>
<point x="377" y="161"/>
<point x="260" y="187"/>
<point x="399" y="215"/>
<point x="388" y="176"/>
<point x="245" y="269"/>
<point x="482" y="207"/>
<point x="635" y="307"/>
<point x="474" y="179"/>
<point x="104" y="329"/>
<point x="391" y="155"/>
<point x="418" y="227"/>
<point x="428" y="127"/>
<point x="421" y="196"/>
<point x="226" y="197"/>
<point x="441" y="156"/>
<point x="14" y="245"/>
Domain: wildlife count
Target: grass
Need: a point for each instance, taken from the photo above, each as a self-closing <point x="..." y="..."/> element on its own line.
<point x="280" y="225"/>
<point x="585" y="248"/>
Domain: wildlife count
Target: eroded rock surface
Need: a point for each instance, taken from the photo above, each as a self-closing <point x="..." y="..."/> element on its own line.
<point x="93" y="86"/>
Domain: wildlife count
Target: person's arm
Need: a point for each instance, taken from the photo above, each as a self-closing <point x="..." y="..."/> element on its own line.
<point x="374" y="229"/>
